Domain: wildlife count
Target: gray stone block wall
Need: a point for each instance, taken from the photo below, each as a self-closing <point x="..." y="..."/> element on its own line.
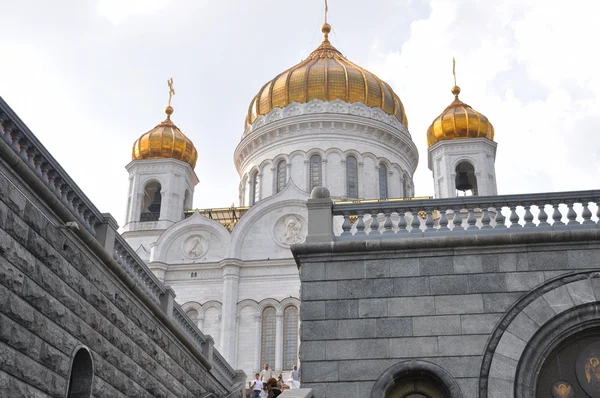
<point x="55" y="295"/>
<point x="366" y="310"/>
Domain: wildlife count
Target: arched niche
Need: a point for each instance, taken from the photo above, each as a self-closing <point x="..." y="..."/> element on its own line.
<point x="152" y="202"/>
<point x="82" y="375"/>
<point x="465" y="180"/>
<point x="416" y="379"/>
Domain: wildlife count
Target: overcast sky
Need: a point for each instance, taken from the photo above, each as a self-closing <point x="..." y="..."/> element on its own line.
<point x="89" y="77"/>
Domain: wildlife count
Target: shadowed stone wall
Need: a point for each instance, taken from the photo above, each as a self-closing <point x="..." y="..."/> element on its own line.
<point x="443" y="303"/>
<point x="56" y="296"/>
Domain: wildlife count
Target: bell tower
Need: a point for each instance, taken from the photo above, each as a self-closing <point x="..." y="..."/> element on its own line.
<point x="461" y="151"/>
<point x="161" y="176"/>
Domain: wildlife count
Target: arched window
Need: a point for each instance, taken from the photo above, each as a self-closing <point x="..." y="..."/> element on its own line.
<point x="82" y="375"/>
<point x="383" y="189"/>
<point x="254" y="188"/>
<point x="151" y="203"/>
<point x="281" y="175"/>
<point x="267" y="343"/>
<point x="290" y="337"/>
<point x="316" y="172"/>
<point x="351" y="177"/>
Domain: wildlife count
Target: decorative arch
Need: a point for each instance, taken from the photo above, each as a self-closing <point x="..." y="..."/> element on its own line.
<point x="533" y="328"/>
<point x="408" y="370"/>
<point x="290" y="196"/>
<point x="192" y="305"/>
<point x="246" y="303"/>
<point x="289" y="301"/>
<point x="195" y="223"/>
<point x="269" y="302"/>
<point x="81" y="374"/>
<point x="211" y="304"/>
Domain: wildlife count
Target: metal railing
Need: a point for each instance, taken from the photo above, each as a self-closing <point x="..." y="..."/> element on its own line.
<point x="466" y="215"/>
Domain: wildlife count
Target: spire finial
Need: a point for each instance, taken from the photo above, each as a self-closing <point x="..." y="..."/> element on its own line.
<point x="326" y="28"/>
<point x="169" y="108"/>
<point x="455" y="89"/>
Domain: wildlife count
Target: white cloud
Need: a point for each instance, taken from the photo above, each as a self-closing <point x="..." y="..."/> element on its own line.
<point x="118" y="11"/>
<point x="529" y="67"/>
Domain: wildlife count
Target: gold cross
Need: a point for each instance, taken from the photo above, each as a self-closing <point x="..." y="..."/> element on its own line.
<point x="171" y="90"/>
<point x="326" y="10"/>
<point x="454" y="69"/>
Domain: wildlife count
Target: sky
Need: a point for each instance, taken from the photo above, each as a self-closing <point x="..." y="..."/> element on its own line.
<point x="89" y="77"/>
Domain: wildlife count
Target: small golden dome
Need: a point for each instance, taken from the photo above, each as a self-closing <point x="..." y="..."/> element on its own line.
<point x="165" y="141"/>
<point x="325" y="75"/>
<point x="458" y="121"/>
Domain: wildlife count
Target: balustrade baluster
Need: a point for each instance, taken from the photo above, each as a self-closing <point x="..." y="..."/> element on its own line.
<point x="486" y="219"/>
<point x="542" y="216"/>
<point x="16" y="137"/>
<point x="571" y="214"/>
<point x="346" y="225"/>
<point x="24" y="144"/>
<point x="514" y="217"/>
<point x="374" y="223"/>
<point x="556" y="215"/>
<point x="500" y="219"/>
<point x="528" y="216"/>
<point x="416" y="222"/>
<point x="586" y="213"/>
<point x="429" y="220"/>
<point x="388" y="225"/>
<point x="471" y="219"/>
<point x="360" y="225"/>
<point x="443" y="221"/>
<point x="402" y="222"/>
<point x="457" y="221"/>
<point x="7" y="130"/>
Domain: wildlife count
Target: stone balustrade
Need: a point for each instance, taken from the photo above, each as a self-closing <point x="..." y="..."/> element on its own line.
<point x="103" y="228"/>
<point x="406" y="218"/>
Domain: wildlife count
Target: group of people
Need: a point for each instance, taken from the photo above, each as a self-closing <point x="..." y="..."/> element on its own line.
<point x="266" y="386"/>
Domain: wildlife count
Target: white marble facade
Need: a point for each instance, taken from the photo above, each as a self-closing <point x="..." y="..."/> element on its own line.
<point x="242" y="287"/>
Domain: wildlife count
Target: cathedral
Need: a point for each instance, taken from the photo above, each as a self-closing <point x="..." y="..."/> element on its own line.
<point x="325" y="122"/>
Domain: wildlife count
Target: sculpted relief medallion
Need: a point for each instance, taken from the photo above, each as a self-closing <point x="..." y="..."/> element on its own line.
<point x="290" y="229"/>
<point x="195" y="246"/>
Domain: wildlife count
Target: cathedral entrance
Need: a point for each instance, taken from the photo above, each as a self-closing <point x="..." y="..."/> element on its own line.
<point x="415" y="388"/>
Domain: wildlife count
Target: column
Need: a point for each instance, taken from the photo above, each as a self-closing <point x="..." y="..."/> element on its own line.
<point x="259" y="191"/>
<point x="231" y="278"/>
<point x="324" y="164"/>
<point x="377" y="183"/>
<point x="307" y="175"/>
<point x="361" y="180"/>
<point x="344" y="179"/>
<point x="279" y="342"/>
<point x="257" y="345"/>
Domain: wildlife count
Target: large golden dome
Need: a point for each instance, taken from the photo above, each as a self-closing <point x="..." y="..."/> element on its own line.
<point x="165" y="141"/>
<point x="326" y="75"/>
<point x="458" y="121"/>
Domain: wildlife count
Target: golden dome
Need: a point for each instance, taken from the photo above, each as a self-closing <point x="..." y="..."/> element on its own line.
<point x="326" y="75"/>
<point x="458" y="121"/>
<point x="165" y="141"/>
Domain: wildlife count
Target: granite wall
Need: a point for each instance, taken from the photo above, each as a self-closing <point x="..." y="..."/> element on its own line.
<point x="57" y="296"/>
<point x="465" y="307"/>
